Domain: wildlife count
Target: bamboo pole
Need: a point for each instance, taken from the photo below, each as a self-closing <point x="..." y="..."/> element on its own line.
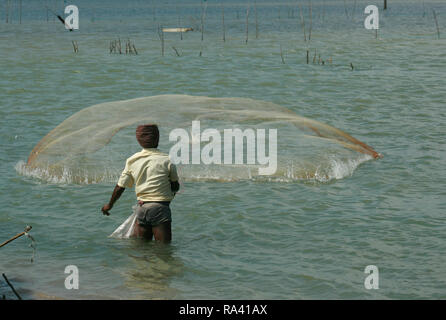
<point x="257" y="25"/>
<point x="153" y="10"/>
<point x="223" y="22"/>
<point x="11" y="286"/>
<point x="176" y="51"/>
<point x="281" y="54"/>
<point x="354" y="9"/>
<point x="161" y="36"/>
<point x="345" y="9"/>
<point x="302" y="21"/>
<point x="7" y="10"/>
<point x="179" y="26"/>
<point x="436" y="23"/>
<point x="27" y="229"/>
<point x="247" y="23"/>
<point x="203" y="16"/>
<point x="12" y="10"/>
<point x="75" y="46"/>
<point x="311" y="20"/>
<point x="323" y="11"/>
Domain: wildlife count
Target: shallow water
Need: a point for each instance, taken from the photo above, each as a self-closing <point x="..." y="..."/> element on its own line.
<point x="240" y="239"/>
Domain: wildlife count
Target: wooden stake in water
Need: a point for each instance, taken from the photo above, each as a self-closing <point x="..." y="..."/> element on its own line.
<point x="354" y="9"/>
<point x="75" y="46"/>
<point x="257" y="24"/>
<point x="311" y="20"/>
<point x="281" y="54"/>
<point x="323" y="11"/>
<point x="7" y="10"/>
<point x="247" y="23"/>
<point x="179" y="26"/>
<point x="223" y="22"/>
<point x="436" y="23"/>
<point x="203" y="15"/>
<point x="176" y="51"/>
<point x="161" y="36"/>
<point x="345" y="9"/>
<point x="302" y="21"/>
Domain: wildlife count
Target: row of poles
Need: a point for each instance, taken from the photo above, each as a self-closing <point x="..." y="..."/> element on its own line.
<point x="9" y="6"/>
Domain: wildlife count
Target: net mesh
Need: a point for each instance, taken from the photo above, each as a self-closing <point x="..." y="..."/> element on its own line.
<point x="92" y="145"/>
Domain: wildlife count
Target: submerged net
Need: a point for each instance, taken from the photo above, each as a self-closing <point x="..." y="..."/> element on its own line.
<point x="91" y="146"/>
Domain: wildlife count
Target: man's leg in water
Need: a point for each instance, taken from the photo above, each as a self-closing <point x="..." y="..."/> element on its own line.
<point x="142" y="232"/>
<point x="163" y="232"/>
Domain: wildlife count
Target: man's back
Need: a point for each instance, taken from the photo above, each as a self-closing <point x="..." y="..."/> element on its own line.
<point x="151" y="171"/>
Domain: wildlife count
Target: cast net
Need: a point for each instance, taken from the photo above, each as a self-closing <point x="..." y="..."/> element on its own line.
<point x="92" y="145"/>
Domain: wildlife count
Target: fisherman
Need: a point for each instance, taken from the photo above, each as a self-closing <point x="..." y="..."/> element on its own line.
<point x="156" y="182"/>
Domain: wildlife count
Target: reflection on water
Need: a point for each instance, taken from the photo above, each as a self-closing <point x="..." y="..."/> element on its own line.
<point x="153" y="266"/>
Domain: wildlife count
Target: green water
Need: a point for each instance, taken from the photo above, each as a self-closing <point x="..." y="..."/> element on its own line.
<point x="242" y="239"/>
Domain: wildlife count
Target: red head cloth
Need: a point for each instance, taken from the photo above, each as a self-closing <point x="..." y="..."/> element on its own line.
<point x="148" y="135"/>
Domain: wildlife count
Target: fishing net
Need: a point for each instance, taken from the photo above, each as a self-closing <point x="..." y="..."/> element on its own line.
<point x="91" y="146"/>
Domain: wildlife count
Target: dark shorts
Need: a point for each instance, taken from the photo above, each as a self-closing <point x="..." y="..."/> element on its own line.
<point x="151" y="214"/>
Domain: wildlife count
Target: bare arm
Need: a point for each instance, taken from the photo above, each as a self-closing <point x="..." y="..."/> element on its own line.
<point x="117" y="192"/>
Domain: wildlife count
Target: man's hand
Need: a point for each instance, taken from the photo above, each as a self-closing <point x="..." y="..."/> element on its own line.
<point x="106" y="208"/>
<point x="115" y="196"/>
